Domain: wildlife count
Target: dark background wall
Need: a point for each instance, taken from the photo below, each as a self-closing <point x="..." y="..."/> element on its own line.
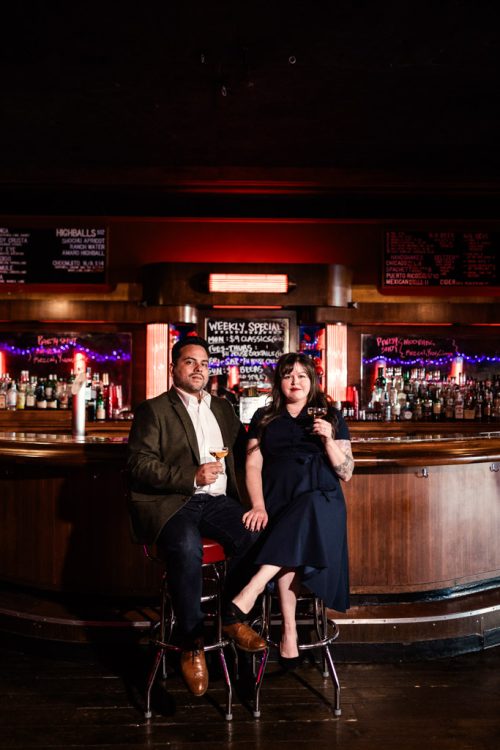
<point x="382" y="105"/>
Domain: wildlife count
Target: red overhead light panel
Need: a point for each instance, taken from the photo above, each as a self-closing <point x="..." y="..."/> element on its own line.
<point x="263" y="283"/>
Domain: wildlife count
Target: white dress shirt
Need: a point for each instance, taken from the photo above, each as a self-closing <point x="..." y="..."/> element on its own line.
<point x="208" y="434"/>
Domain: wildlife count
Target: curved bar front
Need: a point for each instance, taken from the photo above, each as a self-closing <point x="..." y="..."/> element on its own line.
<point x="423" y="518"/>
<point x="63" y="516"/>
<point x="424" y="512"/>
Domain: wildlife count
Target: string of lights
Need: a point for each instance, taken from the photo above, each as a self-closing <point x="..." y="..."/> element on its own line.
<point x="114" y="356"/>
<point x="470" y="358"/>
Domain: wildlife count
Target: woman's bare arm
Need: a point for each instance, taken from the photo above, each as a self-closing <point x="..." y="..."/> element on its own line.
<point x="256" y="518"/>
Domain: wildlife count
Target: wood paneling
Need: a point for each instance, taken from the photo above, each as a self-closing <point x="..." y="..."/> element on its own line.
<point x="408" y="533"/>
<point x="67" y="530"/>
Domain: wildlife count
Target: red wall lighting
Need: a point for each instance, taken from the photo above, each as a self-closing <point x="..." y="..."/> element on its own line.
<point x="271" y="283"/>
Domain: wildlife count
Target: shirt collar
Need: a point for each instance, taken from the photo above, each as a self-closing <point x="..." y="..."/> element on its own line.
<point x="189" y="400"/>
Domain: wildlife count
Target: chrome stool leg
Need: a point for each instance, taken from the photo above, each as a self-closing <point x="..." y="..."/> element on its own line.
<point x="262" y="625"/>
<point x="214" y="565"/>
<point x="220" y="575"/>
<point x="152" y="676"/>
<point x="229" y="687"/>
<point x="326" y="631"/>
<point x="328" y="666"/>
<point x="258" y="683"/>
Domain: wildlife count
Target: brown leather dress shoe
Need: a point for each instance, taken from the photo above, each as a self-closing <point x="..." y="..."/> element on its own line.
<point x="244" y="637"/>
<point x="194" y="670"/>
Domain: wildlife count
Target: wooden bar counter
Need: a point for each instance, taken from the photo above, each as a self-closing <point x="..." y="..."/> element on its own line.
<point x="424" y="525"/>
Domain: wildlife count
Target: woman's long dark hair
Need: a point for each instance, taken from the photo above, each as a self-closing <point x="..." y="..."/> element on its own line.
<point x="277" y="406"/>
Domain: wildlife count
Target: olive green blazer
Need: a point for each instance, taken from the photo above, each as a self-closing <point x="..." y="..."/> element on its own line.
<point x="163" y="457"/>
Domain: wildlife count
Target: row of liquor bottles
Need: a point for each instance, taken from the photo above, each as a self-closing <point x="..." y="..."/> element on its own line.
<point x="419" y="396"/>
<point x="103" y="399"/>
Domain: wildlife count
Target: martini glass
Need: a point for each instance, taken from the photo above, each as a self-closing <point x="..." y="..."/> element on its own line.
<point x="219" y="453"/>
<point x="316" y="412"/>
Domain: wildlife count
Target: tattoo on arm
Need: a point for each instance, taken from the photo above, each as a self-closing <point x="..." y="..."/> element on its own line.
<point x="344" y="470"/>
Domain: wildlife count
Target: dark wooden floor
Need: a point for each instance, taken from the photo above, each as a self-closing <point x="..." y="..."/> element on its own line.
<point x="50" y="698"/>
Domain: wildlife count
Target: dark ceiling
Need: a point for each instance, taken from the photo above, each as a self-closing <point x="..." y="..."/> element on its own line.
<point x="108" y="111"/>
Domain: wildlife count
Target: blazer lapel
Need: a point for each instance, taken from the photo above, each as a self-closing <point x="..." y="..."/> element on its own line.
<point x="184" y="417"/>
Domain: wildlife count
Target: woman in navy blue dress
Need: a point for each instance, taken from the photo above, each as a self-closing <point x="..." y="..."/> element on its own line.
<point x="293" y="468"/>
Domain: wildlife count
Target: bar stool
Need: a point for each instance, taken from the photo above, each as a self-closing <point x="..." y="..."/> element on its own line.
<point x="214" y="570"/>
<point x="326" y="631"/>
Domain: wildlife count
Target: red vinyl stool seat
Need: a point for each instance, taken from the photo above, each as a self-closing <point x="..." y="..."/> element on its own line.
<point x="213" y="552"/>
<point x="214" y="570"/>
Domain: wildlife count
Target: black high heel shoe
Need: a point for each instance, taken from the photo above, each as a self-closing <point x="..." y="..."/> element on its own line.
<point x="289" y="663"/>
<point x="232" y="613"/>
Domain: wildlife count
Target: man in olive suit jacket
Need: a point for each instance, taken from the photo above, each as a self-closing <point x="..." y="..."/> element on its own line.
<point x="179" y="493"/>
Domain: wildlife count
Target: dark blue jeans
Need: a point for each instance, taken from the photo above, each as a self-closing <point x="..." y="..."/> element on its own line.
<point x="216" y="517"/>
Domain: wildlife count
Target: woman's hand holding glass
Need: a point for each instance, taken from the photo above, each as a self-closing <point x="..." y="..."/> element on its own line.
<point x="321" y="427"/>
<point x="255" y="519"/>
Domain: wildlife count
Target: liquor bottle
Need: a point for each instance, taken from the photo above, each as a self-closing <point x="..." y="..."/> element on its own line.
<point x="3" y="392"/>
<point x="449" y="410"/>
<point x="386" y="408"/>
<point x="105" y="389"/>
<point x="459" y="406"/>
<point x="469" y="407"/>
<point x="63" y="394"/>
<point x="488" y="407"/>
<point x="88" y="384"/>
<point x="407" y="413"/>
<point x="90" y="410"/>
<point x="100" y="408"/>
<point x="479" y="406"/>
<point x="353" y="403"/>
<point x="30" y="394"/>
<point x="437" y="407"/>
<point x="417" y="410"/>
<point x="21" y="391"/>
<point x="380" y="382"/>
<point x="406" y="382"/>
<point x="51" y="392"/>
<point x="427" y="409"/>
<point x="41" y="400"/>
<point x="12" y="395"/>
<point x="496" y="405"/>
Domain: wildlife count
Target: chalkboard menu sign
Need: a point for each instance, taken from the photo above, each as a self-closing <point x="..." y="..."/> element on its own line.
<point x="253" y="345"/>
<point x="440" y="260"/>
<point x="62" y="255"/>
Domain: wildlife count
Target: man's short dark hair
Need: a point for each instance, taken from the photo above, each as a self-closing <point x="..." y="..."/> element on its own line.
<point x="188" y="341"/>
